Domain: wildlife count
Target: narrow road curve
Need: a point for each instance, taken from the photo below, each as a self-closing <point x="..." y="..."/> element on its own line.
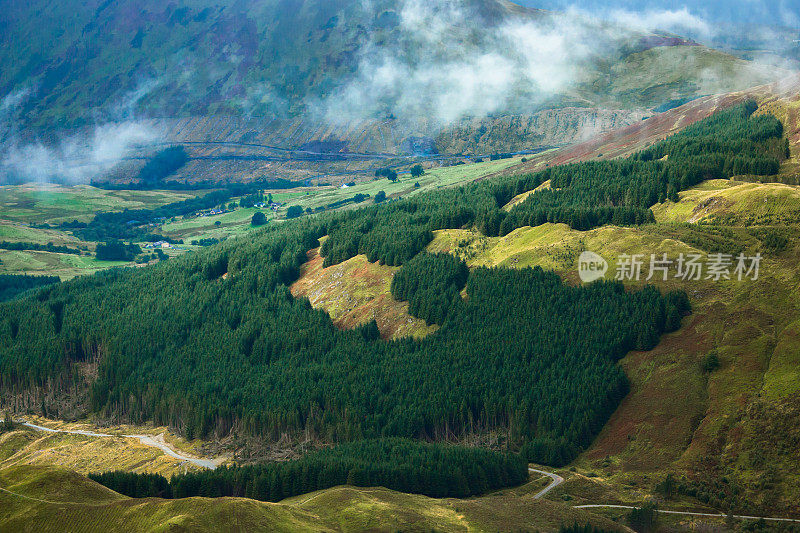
<point x="688" y="513"/>
<point x="147" y="440"/>
<point x="556" y="480"/>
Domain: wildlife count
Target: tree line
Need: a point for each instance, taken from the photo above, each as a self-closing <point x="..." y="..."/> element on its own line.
<point x="117" y="251"/>
<point x="523" y="353"/>
<point x="436" y="470"/>
<point x="12" y="286"/>
<point x="37" y="247"/>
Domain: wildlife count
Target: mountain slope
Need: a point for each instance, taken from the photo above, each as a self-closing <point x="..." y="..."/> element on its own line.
<point x="172" y="364"/>
<point x="69" y="65"/>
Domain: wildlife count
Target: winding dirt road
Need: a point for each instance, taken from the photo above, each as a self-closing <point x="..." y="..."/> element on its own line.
<point x="556" y="480"/>
<point x="147" y="440"/>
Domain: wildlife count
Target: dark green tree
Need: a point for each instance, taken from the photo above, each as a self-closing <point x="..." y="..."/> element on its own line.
<point x="436" y="470"/>
<point x="294" y="211"/>
<point x="667" y="487"/>
<point x="117" y="251"/>
<point x="710" y="362"/>
<point x="644" y="519"/>
<point x="259" y="219"/>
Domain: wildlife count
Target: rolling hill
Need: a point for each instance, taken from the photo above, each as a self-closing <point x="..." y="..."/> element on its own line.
<point x="89" y="345"/>
<point x="52" y="499"/>
<point x="204" y="59"/>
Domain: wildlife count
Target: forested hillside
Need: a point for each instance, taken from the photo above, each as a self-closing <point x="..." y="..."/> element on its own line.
<point x="583" y="195"/>
<point x="214" y="342"/>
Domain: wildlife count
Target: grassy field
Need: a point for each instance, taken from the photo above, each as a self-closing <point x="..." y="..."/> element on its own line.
<point x="86" y="454"/>
<point x="54" y="204"/>
<point x="237" y="222"/>
<point x="66" y="266"/>
<point x="741" y="203"/>
<point x="230" y="224"/>
<point x="23" y="206"/>
<point x="16" y="232"/>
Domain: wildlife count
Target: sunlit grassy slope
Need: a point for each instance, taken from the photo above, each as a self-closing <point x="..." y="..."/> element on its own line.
<point x="740" y="203"/>
<point x="52" y="499"/>
<point x="356" y="291"/>
<point x="87" y="454"/>
<point x="677" y="416"/>
<point x="66" y="266"/>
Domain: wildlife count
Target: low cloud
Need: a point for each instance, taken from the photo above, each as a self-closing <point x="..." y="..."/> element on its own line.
<point x="13" y="100"/>
<point x="8" y="110"/>
<point x="680" y="21"/>
<point x="75" y="159"/>
<point x="126" y="108"/>
<point x="446" y="64"/>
